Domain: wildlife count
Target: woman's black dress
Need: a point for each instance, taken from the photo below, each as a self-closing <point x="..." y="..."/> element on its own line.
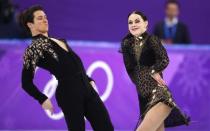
<point x="144" y="56"/>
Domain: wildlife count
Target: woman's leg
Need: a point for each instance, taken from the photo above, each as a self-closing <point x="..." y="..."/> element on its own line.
<point x="154" y="117"/>
<point x="161" y="127"/>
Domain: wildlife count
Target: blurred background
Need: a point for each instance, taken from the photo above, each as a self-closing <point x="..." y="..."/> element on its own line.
<point x="94" y="29"/>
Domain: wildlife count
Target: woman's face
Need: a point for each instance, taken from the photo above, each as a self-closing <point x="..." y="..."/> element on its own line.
<point x="136" y="25"/>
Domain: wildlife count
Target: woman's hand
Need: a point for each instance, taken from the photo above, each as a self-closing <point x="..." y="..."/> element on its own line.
<point x="47" y="105"/>
<point x="159" y="79"/>
<point x="93" y="84"/>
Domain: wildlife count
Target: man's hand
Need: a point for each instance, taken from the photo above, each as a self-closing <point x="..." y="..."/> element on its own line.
<point x="93" y="84"/>
<point x="47" y="105"/>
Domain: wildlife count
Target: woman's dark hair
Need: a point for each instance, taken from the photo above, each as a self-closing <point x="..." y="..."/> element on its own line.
<point x="139" y="13"/>
<point x="28" y="16"/>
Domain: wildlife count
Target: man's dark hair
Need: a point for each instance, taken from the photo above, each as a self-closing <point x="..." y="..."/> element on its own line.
<point x="172" y="2"/>
<point x="28" y="16"/>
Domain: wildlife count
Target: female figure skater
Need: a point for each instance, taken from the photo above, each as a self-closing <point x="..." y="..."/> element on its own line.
<point x="74" y="93"/>
<point x="145" y="58"/>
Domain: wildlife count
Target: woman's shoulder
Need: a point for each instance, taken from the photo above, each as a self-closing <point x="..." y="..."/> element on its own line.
<point x="126" y="40"/>
<point x="127" y="36"/>
<point x="153" y="40"/>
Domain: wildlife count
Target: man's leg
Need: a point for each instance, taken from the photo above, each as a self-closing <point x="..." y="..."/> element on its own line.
<point x="97" y="114"/>
<point x="74" y="119"/>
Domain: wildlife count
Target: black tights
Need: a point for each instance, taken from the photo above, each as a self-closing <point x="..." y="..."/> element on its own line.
<point x="91" y="107"/>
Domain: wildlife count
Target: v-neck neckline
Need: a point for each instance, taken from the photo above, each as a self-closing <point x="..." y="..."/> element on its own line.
<point x="55" y="43"/>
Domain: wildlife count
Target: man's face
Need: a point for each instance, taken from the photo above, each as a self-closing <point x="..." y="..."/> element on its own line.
<point x="172" y="10"/>
<point x="40" y="23"/>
